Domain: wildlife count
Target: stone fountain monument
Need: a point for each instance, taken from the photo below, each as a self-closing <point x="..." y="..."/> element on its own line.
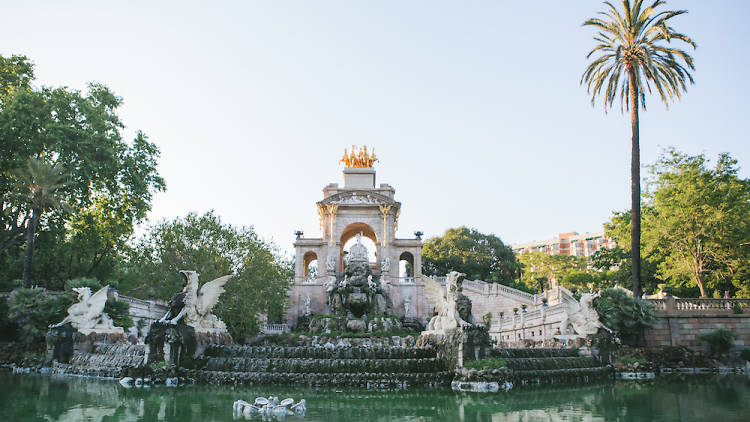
<point x="188" y="327"/>
<point x="347" y="284"/>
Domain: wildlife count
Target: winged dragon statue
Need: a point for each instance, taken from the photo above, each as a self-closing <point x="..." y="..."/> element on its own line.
<point x="580" y="317"/>
<point x="197" y="303"/>
<point x="444" y="300"/>
<point x="88" y="314"/>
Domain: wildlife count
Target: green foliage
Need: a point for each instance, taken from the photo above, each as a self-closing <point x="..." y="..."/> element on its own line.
<point x="540" y="268"/>
<point x="745" y="354"/>
<point x="32" y="312"/>
<point x="7" y="328"/>
<point x="205" y="244"/>
<point x="119" y="311"/>
<point x="696" y="222"/>
<point x="701" y="220"/>
<point x="719" y="341"/>
<point x="158" y="365"/>
<point x="487" y="319"/>
<point x="581" y="280"/>
<point x="109" y="186"/>
<point x="489" y="363"/>
<point x="635" y="45"/>
<point x="630" y="360"/>
<point x="89" y="282"/>
<point x="625" y="315"/>
<point x="480" y="256"/>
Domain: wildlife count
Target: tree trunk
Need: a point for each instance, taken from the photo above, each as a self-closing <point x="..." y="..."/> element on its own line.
<point x="30" y="232"/>
<point x="635" y="186"/>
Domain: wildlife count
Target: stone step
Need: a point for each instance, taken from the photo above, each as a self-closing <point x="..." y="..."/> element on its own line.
<point x="561" y="375"/>
<point x="552" y="363"/>
<point x="311" y="365"/>
<point x="364" y="379"/>
<point x="533" y="353"/>
<point x="354" y="352"/>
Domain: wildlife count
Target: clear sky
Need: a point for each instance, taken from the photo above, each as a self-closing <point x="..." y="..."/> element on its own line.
<point x="474" y="107"/>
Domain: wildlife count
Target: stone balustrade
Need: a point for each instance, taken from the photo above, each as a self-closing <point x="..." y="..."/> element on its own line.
<point x="677" y="306"/>
<point x="274" y="328"/>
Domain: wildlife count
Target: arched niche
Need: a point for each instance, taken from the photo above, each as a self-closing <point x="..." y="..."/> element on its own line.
<point x="310" y="261"/>
<point x="350" y="232"/>
<point x="406" y="265"/>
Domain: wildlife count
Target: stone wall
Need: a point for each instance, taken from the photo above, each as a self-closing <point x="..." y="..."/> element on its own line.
<point x="684" y="330"/>
<point x="682" y="321"/>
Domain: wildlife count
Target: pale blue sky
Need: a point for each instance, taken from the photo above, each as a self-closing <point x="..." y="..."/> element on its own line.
<point x="473" y="107"/>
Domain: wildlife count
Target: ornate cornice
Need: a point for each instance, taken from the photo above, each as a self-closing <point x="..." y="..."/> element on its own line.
<point x="359" y="198"/>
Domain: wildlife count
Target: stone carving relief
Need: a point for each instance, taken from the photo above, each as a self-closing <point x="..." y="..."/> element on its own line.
<point x="306" y="306"/>
<point x="385" y="265"/>
<point x="331" y="264"/>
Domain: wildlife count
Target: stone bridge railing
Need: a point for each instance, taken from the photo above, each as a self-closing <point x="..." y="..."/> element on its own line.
<point x="671" y="305"/>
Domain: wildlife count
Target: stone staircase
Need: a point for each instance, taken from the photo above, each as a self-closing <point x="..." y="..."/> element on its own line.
<point x="546" y="366"/>
<point x="356" y="366"/>
<point x="104" y="360"/>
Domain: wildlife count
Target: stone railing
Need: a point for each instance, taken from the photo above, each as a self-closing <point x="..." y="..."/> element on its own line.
<point x="274" y="328"/>
<point x="671" y="305"/>
<point x="540" y="324"/>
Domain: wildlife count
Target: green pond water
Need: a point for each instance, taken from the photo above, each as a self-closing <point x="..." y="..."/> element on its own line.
<point x="45" y="398"/>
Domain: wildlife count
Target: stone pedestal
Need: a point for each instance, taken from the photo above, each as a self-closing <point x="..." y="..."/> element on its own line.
<point x="181" y="344"/>
<point x="62" y="341"/>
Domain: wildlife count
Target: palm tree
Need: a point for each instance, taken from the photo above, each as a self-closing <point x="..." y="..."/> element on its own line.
<point x="633" y="56"/>
<point x="40" y="185"/>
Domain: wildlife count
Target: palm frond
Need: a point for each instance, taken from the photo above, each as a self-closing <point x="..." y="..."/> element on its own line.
<point x="637" y="39"/>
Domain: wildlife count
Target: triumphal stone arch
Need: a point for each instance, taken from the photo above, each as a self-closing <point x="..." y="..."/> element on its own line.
<point x="359" y="207"/>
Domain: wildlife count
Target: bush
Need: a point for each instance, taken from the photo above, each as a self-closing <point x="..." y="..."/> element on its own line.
<point x="7" y="285"/>
<point x="91" y="283"/>
<point x="719" y="341"/>
<point x="745" y="354"/>
<point x="7" y="328"/>
<point x="119" y="311"/>
<point x="32" y="312"/>
<point x="625" y="315"/>
<point x="490" y="363"/>
<point x="630" y="360"/>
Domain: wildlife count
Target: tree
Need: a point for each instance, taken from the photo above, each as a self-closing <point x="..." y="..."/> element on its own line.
<point x="701" y="219"/>
<point x="618" y="228"/>
<point x="110" y="185"/>
<point x="633" y="55"/>
<point x="40" y="185"/>
<point x="541" y="266"/>
<point x="205" y="244"/>
<point x="478" y="255"/>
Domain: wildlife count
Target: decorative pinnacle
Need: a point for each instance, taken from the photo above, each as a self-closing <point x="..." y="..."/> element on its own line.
<point x="359" y="157"/>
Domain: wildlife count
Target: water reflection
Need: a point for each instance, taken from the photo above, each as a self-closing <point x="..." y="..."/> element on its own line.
<point x="41" y="398"/>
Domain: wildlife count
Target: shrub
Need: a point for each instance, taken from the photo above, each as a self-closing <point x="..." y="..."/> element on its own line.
<point x="7" y="328"/>
<point x="487" y="319"/>
<point x="32" y="312"/>
<point x="719" y="341"/>
<point x="91" y="283"/>
<point x="630" y="360"/>
<point x="490" y="363"/>
<point x="625" y="315"/>
<point x="745" y="354"/>
<point x="119" y="311"/>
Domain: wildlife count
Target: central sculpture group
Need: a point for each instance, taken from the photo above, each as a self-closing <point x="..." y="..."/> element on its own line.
<point x="358" y="293"/>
